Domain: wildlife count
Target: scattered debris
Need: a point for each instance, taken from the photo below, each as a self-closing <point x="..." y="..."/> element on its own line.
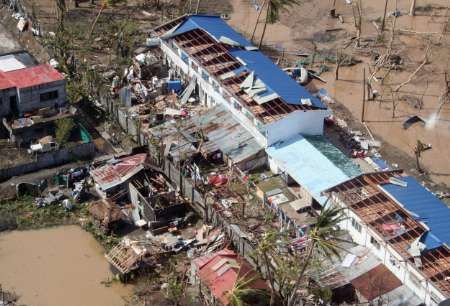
<point x="413" y="120"/>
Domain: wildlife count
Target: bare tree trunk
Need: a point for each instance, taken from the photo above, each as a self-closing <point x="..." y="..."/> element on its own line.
<point x="412" y="10"/>
<point x="293" y="297"/>
<point x="264" y="30"/>
<point x="338" y="64"/>
<point x="198" y="6"/>
<point x="96" y="20"/>
<point x="257" y="19"/>
<point x="384" y="15"/>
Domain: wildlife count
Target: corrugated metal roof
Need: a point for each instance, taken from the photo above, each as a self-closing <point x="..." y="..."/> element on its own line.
<point x="376" y="282"/>
<point x="426" y="208"/>
<point x="221" y="270"/>
<point x="312" y="169"/>
<point x="214" y="25"/>
<point x="31" y="76"/>
<point x="273" y="77"/>
<point x="117" y="172"/>
<point x="225" y="133"/>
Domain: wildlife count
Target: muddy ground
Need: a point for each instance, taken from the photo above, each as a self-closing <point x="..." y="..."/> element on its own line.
<point x="308" y="27"/>
<point x="58" y="266"/>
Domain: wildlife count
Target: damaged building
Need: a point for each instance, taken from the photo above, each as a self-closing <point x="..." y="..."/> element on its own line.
<point x="404" y="225"/>
<point x="228" y="70"/>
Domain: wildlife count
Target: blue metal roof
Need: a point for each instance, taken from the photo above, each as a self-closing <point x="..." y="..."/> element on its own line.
<point x="270" y="74"/>
<point x="214" y="25"/>
<point x="305" y="162"/>
<point x="275" y="78"/>
<point x="425" y="207"/>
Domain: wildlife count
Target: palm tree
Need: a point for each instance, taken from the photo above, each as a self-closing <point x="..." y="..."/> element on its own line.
<point x="323" y="238"/>
<point x="274" y="8"/>
<point x="242" y="293"/>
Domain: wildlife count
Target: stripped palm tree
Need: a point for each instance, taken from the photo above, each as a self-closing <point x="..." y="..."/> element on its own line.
<point x="274" y="8"/>
<point x="323" y="239"/>
<point x="242" y="293"/>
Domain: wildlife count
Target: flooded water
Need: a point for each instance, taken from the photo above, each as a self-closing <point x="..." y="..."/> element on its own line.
<point x="61" y="266"/>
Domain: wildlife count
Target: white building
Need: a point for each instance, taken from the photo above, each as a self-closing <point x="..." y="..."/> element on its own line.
<point x="404" y="225"/>
<point x="230" y="71"/>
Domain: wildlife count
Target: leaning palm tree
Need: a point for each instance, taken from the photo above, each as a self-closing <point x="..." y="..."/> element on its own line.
<point x="274" y="8"/>
<point x="242" y="292"/>
<point x="324" y="239"/>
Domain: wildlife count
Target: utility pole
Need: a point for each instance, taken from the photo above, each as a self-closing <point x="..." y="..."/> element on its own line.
<point x="384" y="15"/>
<point x="364" y="95"/>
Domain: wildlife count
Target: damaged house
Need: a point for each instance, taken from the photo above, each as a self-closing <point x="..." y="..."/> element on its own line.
<point x="218" y="274"/>
<point x="212" y="133"/>
<point x="154" y="200"/>
<point x="111" y="179"/>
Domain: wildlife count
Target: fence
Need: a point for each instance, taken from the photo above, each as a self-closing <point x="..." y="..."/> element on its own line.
<point x="50" y="159"/>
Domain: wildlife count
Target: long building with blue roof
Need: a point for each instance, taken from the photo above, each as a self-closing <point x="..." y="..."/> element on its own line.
<point x="229" y="70"/>
<point x="424" y="207"/>
<point x="403" y="224"/>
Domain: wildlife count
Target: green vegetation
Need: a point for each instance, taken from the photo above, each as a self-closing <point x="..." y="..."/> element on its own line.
<point x="64" y="128"/>
<point x="107" y="241"/>
<point x="23" y="214"/>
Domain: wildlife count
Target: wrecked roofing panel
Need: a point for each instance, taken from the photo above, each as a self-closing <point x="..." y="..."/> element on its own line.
<point x="225" y="133"/>
<point x="425" y="207"/>
<point x="214" y="25"/>
<point x="270" y="74"/>
<point x="117" y="172"/>
<point x="275" y="78"/>
<point x="309" y="166"/>
<point x="376" y="282"/>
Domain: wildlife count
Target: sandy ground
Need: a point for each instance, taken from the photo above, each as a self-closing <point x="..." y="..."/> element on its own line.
<point x="7" y="42"/>
<point x="62" y="266"/>
<point x="308" y="25"/>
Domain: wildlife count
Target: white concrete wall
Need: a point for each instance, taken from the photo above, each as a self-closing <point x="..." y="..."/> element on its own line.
<point x="298" y="122"/>
<point x="403" y="270"/>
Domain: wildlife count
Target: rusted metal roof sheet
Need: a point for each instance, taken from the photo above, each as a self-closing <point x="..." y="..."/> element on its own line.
<point x="118" y="172"/>
<point x="224" y="133"/>
<point x="376" y="282"/>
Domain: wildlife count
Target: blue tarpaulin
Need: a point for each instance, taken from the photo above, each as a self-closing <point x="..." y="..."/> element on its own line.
<point x="174" y="85"/>
<point x="425" y="207"/>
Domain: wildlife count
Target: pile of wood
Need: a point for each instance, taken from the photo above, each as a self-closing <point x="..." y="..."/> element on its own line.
<point x="129" y="255"/>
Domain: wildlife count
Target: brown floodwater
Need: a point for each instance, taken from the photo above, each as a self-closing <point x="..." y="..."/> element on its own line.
<point x="61" y="266"/>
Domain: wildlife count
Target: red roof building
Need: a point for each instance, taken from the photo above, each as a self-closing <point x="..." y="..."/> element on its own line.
<point x="29" y="77"/>
<point x="220" y="272"/>
<point x="25" y="90"/>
